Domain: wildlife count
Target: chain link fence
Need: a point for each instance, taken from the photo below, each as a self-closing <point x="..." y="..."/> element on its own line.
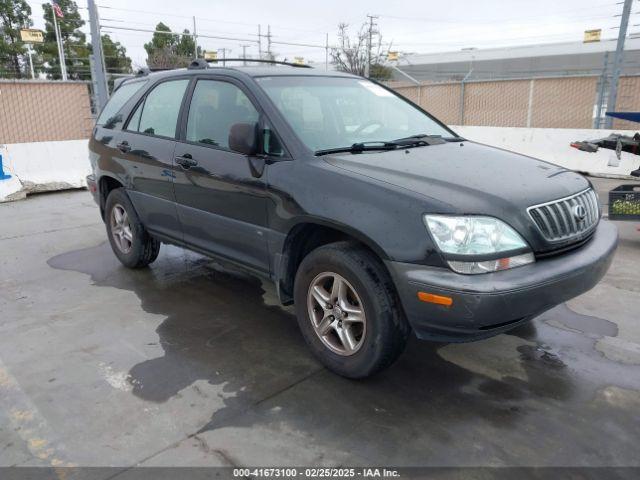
<point x="549" y="102"/>
<point x="40" y="111"/>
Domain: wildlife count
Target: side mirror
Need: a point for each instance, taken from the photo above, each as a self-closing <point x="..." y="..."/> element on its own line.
<point x="243" y="138"/>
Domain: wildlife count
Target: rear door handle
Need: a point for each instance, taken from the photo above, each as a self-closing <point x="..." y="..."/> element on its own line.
<point x="124" y="147"/>
<point x="186" y="161"/>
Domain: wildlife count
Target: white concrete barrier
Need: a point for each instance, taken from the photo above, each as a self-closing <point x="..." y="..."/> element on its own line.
<point x="552" y="145"/>
<point x="43" y="166"/>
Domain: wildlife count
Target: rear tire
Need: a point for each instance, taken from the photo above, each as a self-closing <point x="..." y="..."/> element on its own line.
<point x="129" y="240"/>
<point x="348" y="310"/>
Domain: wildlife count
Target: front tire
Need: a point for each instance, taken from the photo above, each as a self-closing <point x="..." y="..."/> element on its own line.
<point x="129" y="240"/>
<point x="348" y="310"/>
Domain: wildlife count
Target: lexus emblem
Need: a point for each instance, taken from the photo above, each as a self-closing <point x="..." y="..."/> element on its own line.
<point x="579" y="212"/>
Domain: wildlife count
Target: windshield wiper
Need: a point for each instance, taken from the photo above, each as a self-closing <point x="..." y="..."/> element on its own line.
<point x="423" y="139"/>
<point x="420" y="140"/>
<point x="359" y="148"/>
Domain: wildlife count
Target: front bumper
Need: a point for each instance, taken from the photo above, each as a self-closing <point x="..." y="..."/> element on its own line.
<point x="487" y="304"/>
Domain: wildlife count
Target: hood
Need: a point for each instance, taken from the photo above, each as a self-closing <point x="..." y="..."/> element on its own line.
<point x="467" y="177"/>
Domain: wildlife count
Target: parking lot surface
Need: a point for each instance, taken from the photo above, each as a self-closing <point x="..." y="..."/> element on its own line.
<point x="189" y="363"/>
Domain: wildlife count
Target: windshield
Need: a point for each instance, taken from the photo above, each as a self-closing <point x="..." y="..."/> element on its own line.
<point x="335" y="112"/>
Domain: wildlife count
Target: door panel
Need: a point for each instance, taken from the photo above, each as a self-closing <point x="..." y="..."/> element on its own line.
<point x="221" y="206"/>
<point x="152" y="169"/>
<point x="148" y="144"/>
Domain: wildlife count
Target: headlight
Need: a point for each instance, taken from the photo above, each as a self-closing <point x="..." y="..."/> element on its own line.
<point x="473" y="244"/>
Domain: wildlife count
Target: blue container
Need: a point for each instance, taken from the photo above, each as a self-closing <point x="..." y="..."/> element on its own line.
<point x="2" y="174"/>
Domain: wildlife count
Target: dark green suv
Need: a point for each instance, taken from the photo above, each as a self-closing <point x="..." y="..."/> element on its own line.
<point x="369" y="214"/>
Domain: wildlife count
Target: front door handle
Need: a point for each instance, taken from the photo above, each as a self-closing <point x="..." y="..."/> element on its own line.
<point x="124" y="146"/>
<point x="186" y="161"/>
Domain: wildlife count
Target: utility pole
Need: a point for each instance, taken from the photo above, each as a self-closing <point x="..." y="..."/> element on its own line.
<point x="326" y="53"/>
<point x="195" y="37"/>
<point x="367" y="67"/>
<point x="63" y="63"/>
<point x="224" y="55"/>
<point x="98" y="75"/>
<point x="617" y="61"/>
<point x="244" y="54"/>
<point x="259" y="43"/>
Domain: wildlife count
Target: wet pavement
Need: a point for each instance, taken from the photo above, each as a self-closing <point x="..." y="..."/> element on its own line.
<point x="189" y="363"/>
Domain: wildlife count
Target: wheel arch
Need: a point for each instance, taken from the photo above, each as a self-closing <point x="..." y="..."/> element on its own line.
<point x="106" y="184"/>
<point x="306" y="235"/>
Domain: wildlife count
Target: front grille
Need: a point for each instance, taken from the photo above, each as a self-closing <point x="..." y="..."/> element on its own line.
<point x="560" y="220"/>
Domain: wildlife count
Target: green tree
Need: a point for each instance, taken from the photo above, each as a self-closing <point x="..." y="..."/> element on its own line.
<point x="115" y="56"/>
<point x="14" y="15"/>
<point x="186" y="46"/>
<point x="161" y="41"/>
<point x="74" y="43"/>
<point x="169" y="50"/>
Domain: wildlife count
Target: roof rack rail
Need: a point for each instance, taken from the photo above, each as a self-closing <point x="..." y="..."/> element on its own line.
<point x="198" y="63"/>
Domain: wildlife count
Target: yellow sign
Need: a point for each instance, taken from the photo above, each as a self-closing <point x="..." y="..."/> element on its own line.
<point x="298" y="60"/>
<point x="392" y="56"/>
<point x="592" y="35"/>
<point x="29" y="35"/>
<point x="211" y="55"/>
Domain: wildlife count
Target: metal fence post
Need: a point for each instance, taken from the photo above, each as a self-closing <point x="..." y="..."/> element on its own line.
<point x="462" y="87"/>
<point x="530" y="103"/>
<point x="600" y="95"/>
<point x="617" y="61"/>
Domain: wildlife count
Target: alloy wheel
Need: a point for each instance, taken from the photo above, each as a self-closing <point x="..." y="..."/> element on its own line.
<point x="336" y="313"/>
<point x="121" y="228"/>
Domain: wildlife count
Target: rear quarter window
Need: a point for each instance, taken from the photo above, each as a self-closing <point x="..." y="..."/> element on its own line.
<point x="109" y="116"/>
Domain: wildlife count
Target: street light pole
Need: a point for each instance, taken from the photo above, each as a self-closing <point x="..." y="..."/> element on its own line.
<point x="98" y="71"/>
<point x="30" y="53"/>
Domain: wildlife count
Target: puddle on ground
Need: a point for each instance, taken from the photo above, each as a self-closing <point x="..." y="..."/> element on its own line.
<point x="218" y="329"/>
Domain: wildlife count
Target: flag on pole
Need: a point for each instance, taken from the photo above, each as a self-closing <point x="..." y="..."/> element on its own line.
<point x="56" y="8"/>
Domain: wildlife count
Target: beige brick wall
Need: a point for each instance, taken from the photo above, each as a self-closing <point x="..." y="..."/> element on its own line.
<point x="44" y="111"/>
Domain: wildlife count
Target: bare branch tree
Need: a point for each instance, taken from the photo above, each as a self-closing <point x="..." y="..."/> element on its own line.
<point x="351" y="53"/>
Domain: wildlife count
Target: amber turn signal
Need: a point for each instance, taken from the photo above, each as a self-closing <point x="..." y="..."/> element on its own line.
<point x="437" y="299"/>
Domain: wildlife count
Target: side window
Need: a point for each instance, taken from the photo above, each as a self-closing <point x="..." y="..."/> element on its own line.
<point x="215" y="107"/>
<point x="108" y="117"/>
<point x="134" y="122"/>
<point x="158" y="114"/>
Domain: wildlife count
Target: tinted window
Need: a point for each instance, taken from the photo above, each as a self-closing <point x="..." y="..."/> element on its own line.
<point x="159" y="112"/>
<point x="116" y="102"/>
<point x="215" y="107"/>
